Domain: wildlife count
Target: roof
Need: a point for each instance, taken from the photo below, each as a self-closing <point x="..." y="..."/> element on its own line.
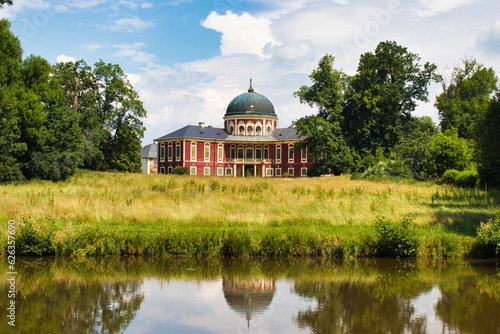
<point x="210" y="133"/>
<point x="150" y="151"/>
<point x="249" y="104"/>
<point x="197" y="132"/>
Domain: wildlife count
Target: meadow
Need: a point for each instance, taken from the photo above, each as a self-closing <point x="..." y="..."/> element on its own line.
<point x="95" y="214"/>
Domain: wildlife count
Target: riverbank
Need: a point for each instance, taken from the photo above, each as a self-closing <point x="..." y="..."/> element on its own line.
<point x="94" y="214"/>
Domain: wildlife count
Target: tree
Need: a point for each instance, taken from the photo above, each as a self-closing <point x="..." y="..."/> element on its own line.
<point x="121" y="112"/>
<point x="322" y="132"/>
<point x="447" y="151"/>
<point x="3" y="2"/>
<point x="466" y="97"/>
<point x="382" y="95"/>
<point x="489" y="144"/>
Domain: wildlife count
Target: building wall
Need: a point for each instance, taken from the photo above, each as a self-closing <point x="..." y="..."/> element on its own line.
<point x="201" y="164"/>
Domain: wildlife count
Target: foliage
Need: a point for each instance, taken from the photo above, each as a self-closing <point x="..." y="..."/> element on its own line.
<point x="465" y="179"/>
<point x="447" y="151"/>
<point x="382" y="95"/>
<point x="488" y="142"/>
<point x="465" y="97"/>
<point x="180" y="170"/>
<point x="3" y="2"/>
<point x="35" y="238"/>
<point x="489" y="236"/>
<point x="395" y="239"/>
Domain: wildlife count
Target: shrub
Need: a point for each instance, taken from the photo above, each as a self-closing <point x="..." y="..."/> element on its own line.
<point x="489" y="237"/>
<point x="394" y="239"/>
<point x="180" y="170"/>
<point x="35" y="239"/>
<point x="464" y="179"/>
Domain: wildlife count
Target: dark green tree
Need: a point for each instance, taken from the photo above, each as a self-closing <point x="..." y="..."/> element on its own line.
<point x="121" y="113"/>
<point x="488" y="142"/>
<point x="466" y="97"/>
<point x="3" y="2"/>
<point x="382" y="95"/>
<point x="10" y="132"/>
<point x="322" y="132"/>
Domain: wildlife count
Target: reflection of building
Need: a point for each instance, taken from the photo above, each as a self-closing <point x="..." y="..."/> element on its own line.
<point x="149" y="159"/>
<point x="250" y="144"/>
<point x="248" y="296"/>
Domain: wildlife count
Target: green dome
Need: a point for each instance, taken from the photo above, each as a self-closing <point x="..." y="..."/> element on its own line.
<point x="249" y="104"/>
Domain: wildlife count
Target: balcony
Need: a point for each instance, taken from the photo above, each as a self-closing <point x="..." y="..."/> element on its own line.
<point x="250" y="161"/>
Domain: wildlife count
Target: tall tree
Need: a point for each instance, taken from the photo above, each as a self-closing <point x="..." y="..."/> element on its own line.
<point x="466" y="97"/>
<point x="489" y="144"/>
<point x="10" y="132"/>
<point x="322" y="132"/>
<point x="383" y="94"/>
<point x="121" y="113"/>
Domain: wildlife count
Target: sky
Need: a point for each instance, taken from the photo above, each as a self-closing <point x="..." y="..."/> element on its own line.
<point x="188" y="59"/>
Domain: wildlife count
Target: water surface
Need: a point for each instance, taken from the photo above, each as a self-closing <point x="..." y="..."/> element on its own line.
<point x="185" y="295"/>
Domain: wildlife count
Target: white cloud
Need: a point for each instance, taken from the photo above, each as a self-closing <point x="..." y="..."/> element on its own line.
<point x="240" y="33"/>
<point x="128" y="25"/>
<point x="433" y="7"/>
<point x="133" y="52"/>
<point x="65" y="59"/>
<point x="488" y="40"/>
<point x="91" y="47"/>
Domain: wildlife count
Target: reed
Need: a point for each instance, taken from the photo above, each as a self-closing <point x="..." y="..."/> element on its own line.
<point x="96" y="213"/>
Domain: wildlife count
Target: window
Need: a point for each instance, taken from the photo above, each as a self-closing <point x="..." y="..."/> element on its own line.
<point x="206" y="170"/>
<point x="266" y="152"/>
<point x="278" y="171"/>
<point x="268" y="130"/>
<point x="290" y="171"/>
<point x="193" y="152"/>
<point x="303" y="171"/>
<point x="241" y="153"/>
<point x="178" y="152"/>
<point x="250" y="130"/>
<point x="304" y="153"/>
<point x="249" y="153"/>
<point x="242" y="130"/>
<point x="207" y="152"/>
<point x="278" y="153"/>
<point x="258" y="153"/>
<point x="229" y="171"/>
<point x="220" y="152"/>
<point x="290" y="152"/>
<point x="231" y="129"/>
<point x="155" y="163"/>
<point x="258" y="129"/>
<point x="269" y="172"/>
<point x="233" y="153"/>
<point x="220" y="171"/>
<point x="169" y="171"/>
<point x="192" y="170"/>
<point x="162" y="152"/>
<point x="162" y="170"/>
<point x="170" y="152"/>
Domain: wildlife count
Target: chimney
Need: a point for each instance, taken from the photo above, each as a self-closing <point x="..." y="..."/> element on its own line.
<point x="201" y="124"/>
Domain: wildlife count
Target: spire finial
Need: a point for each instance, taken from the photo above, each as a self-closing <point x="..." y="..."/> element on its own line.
<point x="250" y="89"/>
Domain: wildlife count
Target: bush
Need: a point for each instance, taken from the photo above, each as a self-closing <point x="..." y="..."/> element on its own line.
<point x="394" y="239"/>
<point x="179" y="170"/>
<point x="35" y="238"/>
<point x="489" y="237"/>
<point x="464" y="179"/>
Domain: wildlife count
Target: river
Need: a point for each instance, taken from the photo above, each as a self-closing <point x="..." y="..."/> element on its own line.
<point x="301" y="295"/>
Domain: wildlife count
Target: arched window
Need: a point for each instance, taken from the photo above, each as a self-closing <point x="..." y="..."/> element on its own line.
<point x="231" y="129"/>
<point x="242" y="130"/>
<point x="258" y="129"/>
<point x="268" y="130"/>
<point x="250" y="130"/>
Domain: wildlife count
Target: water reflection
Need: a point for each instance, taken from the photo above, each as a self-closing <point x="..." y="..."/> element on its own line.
<point x="137" y="295"/>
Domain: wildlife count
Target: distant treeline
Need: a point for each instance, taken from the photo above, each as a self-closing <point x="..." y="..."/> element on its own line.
<point x="56" y="118"/>
<point x="365" y="123"/>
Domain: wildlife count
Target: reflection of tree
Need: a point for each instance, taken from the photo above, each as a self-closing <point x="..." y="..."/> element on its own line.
<point x="467" y="308"/>
<point x="351" y="307"/>
<point x="65" y="307"/>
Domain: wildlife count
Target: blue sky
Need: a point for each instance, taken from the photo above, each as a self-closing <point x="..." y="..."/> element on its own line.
<point x="188" y="58"/>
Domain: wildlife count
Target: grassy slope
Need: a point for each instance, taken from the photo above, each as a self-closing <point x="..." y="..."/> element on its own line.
<point x="155" y="214"/>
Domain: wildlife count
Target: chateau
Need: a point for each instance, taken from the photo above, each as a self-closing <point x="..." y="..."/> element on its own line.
<point x="250" y="144"/>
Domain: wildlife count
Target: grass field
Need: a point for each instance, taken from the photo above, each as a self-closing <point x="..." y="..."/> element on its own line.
<point x="112" y="213"/>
